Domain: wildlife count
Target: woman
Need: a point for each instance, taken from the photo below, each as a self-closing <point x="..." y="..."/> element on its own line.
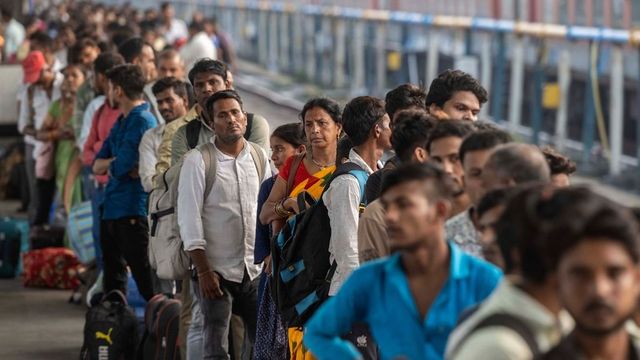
<point x="58" y="129"/>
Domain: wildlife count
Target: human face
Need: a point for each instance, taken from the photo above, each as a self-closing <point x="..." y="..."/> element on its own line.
<point x="599" y="285"/>
<point x="444" y="151"/>
<point x="281" y="151"/>
<point x="170" y="105"/>
<point x="383" y="130"/>
<point x="168" y="13"/>
<point x="46" y="76"/>
<point x="173" y="66"/>
<point x="487" y="236"/>
<point x="229" y="121"/>
<point x="472" y="166"/>
<point x="89" y="55"/>
<point x="147" y="61"/>
<point x="410" y="217"/>
<point x="462" y="105"/>
<point x="206" y="84"/>
<point x="560" y="180"/>
<point x="321" y="131"/>
<point x="73" y="78"/>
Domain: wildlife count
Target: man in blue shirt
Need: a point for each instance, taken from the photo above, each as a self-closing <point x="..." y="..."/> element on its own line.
<point x="124" y="229"/>
<point x="412" y="300"/>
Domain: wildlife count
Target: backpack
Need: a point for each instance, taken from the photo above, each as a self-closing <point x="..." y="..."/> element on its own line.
<point x="166" y="253"/>
<point x="300" y="255"/>
<point x="161" y="320"/>
<point x="193" y="131"/>
<point x="110" y="330"/>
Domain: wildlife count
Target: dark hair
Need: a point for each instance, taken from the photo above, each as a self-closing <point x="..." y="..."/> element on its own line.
<point x="179" y="87"/>
<point x="449" y="128"/>
<point x="330" y="106"/>
<point x="221" y="95"/>
<point x="44" y="40"/>
<point x="493" y="199"/>
<point x="483" y="140"/>
<point x="403" y="97"/>
<point x="132" y="48"/>
<point x="359" y="117"/>
<point x="441" y="184"/>
<point x="485" y="125"/>
<point x="291" y="134"/>
<point x="121" y="35"/>
<point x="521" y="162"/>
<point x="74" y="52"/>
<point x="128" y="77"/>
<point x="449" y="82"/>
<point x="196" y="26"/>
<point x="208" y="65"/>
<point x="6" y="11"/>
<point x="169" y="53"/>
<point x="344" y="148"/>
<point x="411" y="131"/>
<point x="558" y="163"/>
<point x="164" y="5"/>
<point x="106" y="61"/>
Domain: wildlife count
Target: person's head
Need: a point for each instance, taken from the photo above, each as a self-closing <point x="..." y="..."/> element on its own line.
<point x="126" y="82"/>
<point x="104" y="62"/>
<point x="322" y="121"/>
<point x="487" y="213"/>
<point x="444" y="146"/>
<point x="74" y="76"/>
<point x="208" y="76"/>
<point x="515" y="164"/>
<point x="36" y="69"/>
<point x="40" y="41"/>
<point x="455" y="94"/>
<point x="227" y="115"/>
<point x="595" y="250"/>
<point x="416" y="198"/>
<point x="344" y="148"/>
<point x="410" y="135"/>
<point x="170" y="64"/>
<point x="365" y="119"/>
<point x="84" y="52"/>
<point x="561" y="167"/>
<point x="137" y="52"/>
<point x="287" y="140"/>
<point x="404" y="97"/>
<point x="6" y="13"/>
<point x="474" y="153"/>
<point x="167" y="11"/>
<point x="171" y="97"/>
<point x="196" y="27"/>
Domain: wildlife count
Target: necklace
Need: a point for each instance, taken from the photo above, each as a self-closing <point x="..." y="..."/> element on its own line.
<point x="322" y="167"/>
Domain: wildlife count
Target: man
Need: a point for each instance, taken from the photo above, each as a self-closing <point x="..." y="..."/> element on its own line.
<point x="199" y="46"/>
<point x="208" y="77"/>
<point x="14" y="34"/>
<point x="562" y="168"/>
<point x="170" y="64"/>
<point x="523" y="317"/>
<point x="43" y="88"/>
<point x="171" y="95"/>
<point x="40" y="41"/>
<point x="223" y="43"/>
<point x="597" y="264"/>
<point x="124" y="229"/>
<point x="487" y="213"/>
<point x="425" y="278"/>
<point x="225" y="276"/>
<point x="515" y="164"/>
<point x="173" y="29"/>
<point x="455" y="94"/>
<point x="84" y="52"/>
<point x="474" y="153"/>
<point x="409" y="140"/>
<point x="135" y="51"/>
<point x="367" y="124"/>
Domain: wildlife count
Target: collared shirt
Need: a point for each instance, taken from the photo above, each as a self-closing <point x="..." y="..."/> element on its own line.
<point x="101" y="124"/>
<point x="87" y="119"/>
<point x="124" y="195"/>
<point x="461" y="231"/>
<point x="41" y="104"/>
<point x="177" y="30"/>
<point x="372" y="233"/>
<point x="342" y="200"/>
<point x="148" y="149"/>
<point x="223" y="224"/>
<point x="199" y="46"/>
<point x="14" y="34"/>
<point x="378" y="294"/>
<point x="164" y="150"/>
<point x="498" y="342"/>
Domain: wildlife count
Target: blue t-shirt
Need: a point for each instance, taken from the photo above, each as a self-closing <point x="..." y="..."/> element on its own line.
<point x="124" y="195"/>
<point x="378" y="295"/>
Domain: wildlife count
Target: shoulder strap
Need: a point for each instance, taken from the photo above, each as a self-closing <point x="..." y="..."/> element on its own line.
<point x="247" y="133"/>
<point x="259" y="159"/>
<point x="293" y="170"/>
<point x="210" y="163"/>
<point x="32" y="110"/>
<point x="511" y="322"/>
<point x="193" y="132"/>
<point x="356" y="171"/>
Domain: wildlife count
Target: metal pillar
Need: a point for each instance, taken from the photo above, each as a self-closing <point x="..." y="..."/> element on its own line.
<point x="564" y="80"/>
<point x="616" y="107"/>
<point x="485" y="69"/>
<point x="498" y="94"/>
<point x="340" y="53"/>
<point x="516" y="86"/>
<point x="310" y="49"/>
<point x="432" y="56"/>
<point x="381" y="55"/>
<point x="285" y="40"/>
<point x="358" y="63"/>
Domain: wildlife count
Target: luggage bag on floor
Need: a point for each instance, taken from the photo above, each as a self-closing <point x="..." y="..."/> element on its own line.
<point x="55" y="268"/>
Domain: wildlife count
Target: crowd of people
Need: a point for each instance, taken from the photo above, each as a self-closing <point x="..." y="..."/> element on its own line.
<point x="461" y="244"/>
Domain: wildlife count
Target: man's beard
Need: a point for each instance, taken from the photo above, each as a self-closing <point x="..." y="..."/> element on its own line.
<point x="413" y="246"/>
<point x="601" y="332"/>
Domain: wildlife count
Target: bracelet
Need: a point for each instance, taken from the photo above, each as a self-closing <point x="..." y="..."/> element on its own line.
<point x="280" y="209"/>
<point x="205" y="272"/>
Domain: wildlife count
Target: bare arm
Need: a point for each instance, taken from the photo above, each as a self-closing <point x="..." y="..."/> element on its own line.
<point x="101" y="166"/>
<point x="268" y="214"/>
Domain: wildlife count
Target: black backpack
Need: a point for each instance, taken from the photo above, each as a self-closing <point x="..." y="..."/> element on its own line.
<point x="161" y="320"/>
<point x="110" y="330"/>
<point x="300" y="256"/>
<point x="194" y="126"/>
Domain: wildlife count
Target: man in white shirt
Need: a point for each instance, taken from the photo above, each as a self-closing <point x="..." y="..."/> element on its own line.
<point x="171" y="95"/>
<point x="369" y="127"/>
<point x="14" y="34"/>
<point x="173" y="29"/>
<point x="218" y="230"/>
<point x="199" y="46"/>
<point x="43" y="88"/>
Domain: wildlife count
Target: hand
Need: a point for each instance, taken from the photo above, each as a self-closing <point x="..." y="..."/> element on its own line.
<point x="291" y="204"/>
<point x="209" y="282"/>
<point x="266" y="268"/>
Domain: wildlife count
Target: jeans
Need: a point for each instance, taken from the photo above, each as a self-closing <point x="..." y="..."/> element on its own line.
<point x="125" y="242"/>
<point x="96" y="206"/>
<point x="45" y="191"/>
<point x="240" y="298"/>
<point x="195" y="349"/>
<point x="30" y="167"/>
